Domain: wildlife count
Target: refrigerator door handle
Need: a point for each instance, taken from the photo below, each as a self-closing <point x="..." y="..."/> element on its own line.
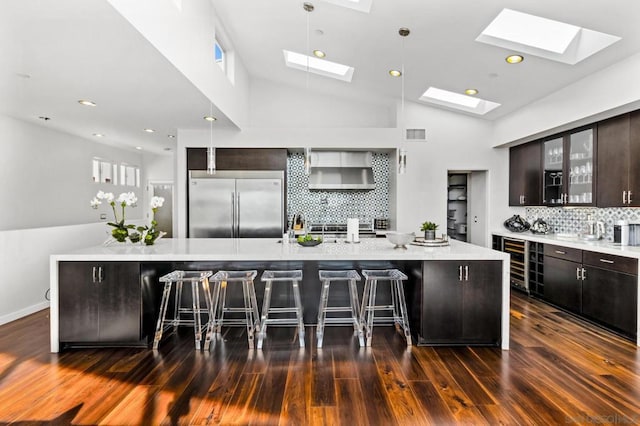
<point x="237" y="220"/>
<point x="233" y="215"/>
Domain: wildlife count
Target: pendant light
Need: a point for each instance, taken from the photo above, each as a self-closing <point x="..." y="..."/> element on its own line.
<point x="211" y="150"/>
<point x="402" y="153"/>
<point x="308" y="7"/>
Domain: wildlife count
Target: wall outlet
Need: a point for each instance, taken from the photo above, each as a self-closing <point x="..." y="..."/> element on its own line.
<point x="103" y="216"/>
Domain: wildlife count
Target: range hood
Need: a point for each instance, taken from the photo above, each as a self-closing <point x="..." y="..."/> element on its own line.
<point x="341" y="170"/>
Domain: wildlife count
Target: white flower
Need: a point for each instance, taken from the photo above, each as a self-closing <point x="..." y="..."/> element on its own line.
<point x="95" y="203"/>
<point x="108" y="196"/>
<point x="127" y="198"/>
<point x="156" y="202"/>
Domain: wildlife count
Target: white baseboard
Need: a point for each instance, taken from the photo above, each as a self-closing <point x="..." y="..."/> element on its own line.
<point x="23" y="312"/>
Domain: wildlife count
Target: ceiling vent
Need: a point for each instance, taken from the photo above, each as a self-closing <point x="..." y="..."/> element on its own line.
<point x="416" y="134"/>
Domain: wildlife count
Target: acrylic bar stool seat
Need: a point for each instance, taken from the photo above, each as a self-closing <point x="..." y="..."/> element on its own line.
<point x="199" y="281"/>
<point x="398" y="305"/>
<point x="291" y="277"/>
<point x="349" y="277"/>
<point x="250" y="308"/>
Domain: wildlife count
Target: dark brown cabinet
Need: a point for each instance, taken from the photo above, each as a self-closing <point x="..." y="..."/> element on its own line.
<point x="100" y="303"/>
<point x="563" y="283"/>
<point x="239" y="159"/>
<point x="524" y="174"/>
<point x="619" y="160"/>
<point x="461" y="302"/>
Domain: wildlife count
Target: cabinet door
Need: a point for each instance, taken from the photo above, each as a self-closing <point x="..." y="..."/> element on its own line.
<point x="442" y="301"/>
<point x="553" y="178"/>
<point x="612" y="298"/>
<point x="580" y="167"/>
<point x="562" y="285"/>
<point x="482" y="302"/>
<point x="613" y="160"/>
<point x="78" y="301"/>
<point x="120" y="299"/>
<point x="634" y="159"/>
<point x="524" y="174"/>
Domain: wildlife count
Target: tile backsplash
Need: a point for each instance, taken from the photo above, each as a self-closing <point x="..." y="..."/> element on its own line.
<point x="337" y="206"/>
<point x="573" y="220"/>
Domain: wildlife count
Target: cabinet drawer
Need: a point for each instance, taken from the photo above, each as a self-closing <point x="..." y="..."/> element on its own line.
<point x="611" y="262"/>
<point x="566" y="253"/>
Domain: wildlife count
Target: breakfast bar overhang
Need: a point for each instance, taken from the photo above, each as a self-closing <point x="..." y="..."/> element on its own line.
<point x="433" y="272"/>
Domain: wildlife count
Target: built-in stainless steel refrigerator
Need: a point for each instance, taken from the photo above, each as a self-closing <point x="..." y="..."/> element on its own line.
<point x="236" y="204"/>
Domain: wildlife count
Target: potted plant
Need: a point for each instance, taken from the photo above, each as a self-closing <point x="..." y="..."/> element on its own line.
<point x="429" y="229"/>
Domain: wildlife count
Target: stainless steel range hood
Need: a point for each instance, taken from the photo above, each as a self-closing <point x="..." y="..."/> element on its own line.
<point x="341" y="170"/>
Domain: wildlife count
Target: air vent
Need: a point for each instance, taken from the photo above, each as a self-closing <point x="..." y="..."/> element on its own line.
<point x="416" y="134"/>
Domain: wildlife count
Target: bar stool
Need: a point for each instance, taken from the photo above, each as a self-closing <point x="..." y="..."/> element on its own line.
<point x="350" y="277"/>
<point x="292" y="277"/>
<point x="398" y="306"/>
<point x="199" y="281"/>
<point x="250" y="309"/>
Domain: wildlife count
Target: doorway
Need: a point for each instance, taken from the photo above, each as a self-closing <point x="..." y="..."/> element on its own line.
<point x="467" y="206"/>
<point x="164" y="215"/>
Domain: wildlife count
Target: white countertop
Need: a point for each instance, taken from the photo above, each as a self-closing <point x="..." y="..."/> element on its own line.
<point x="203" y="249"/>
<point x="600" y="246"/>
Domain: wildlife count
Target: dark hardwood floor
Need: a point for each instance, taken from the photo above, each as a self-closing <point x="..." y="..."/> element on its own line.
<point x="560" y="370"/>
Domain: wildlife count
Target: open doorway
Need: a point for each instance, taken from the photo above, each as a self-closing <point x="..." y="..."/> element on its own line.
<point x="164" y="215"/>
<point x="467" y="214"/>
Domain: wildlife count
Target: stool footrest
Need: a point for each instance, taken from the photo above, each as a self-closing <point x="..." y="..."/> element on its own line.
<point x="282" y="310"/>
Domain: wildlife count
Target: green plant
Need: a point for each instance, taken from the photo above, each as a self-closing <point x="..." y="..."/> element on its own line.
<point x="429" y="226"/>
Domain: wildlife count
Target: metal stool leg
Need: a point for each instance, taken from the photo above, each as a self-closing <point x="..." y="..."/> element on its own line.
<point x="254" y="306"/>
<point x="296" y="294"/>
<point x="212" y="304"/>
<point x="266" y="303"/>
<point x="355" y="312"/>
<point x="322" y="312"/>
<point x="162" y="315"/>
<point x="223" y="298"/>
<point x="248" y="313"/>
<point x="403" y="311"/>
<point x="197" y="319"/>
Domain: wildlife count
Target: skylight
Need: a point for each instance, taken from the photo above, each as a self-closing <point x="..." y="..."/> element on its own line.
<point x="360" y="5"/>
<point x="458" y="101"/>
<point x="544" y="37"/>
<point x="318" y="66"/>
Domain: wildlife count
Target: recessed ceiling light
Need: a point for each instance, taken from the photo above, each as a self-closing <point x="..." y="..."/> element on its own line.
<point x="209" y="118"/>
<point x="458" y="101"/>
<point x="514" y="59"/>
<point x="471" y="92"/>
<point x="319" y="54"/>
<point x="149" y="130"/>
<point x="318" y="66"/>
<point x="543" y="37"/>
<point x="42" y="117"/>
<point x="86" y="102"/>
<point x="171" y="136"/>
<point x="98" y="135"/>
<point x="138" y="148"/>
<point x="395" y="73"/>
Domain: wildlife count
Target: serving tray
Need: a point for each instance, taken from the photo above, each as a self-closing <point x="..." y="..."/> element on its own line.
<point x="438" y="242"/>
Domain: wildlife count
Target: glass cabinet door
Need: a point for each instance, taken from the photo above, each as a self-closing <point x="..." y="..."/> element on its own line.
<point x="552" y="191"/>
<point x="580" y="168"/>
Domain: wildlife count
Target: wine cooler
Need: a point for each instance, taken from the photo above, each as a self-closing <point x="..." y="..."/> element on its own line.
<point x="519" y="264"/>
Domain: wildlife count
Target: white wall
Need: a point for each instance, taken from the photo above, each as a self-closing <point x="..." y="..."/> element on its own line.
<point x="185" y="35"/>
<point x="275" y="105"/>
<point x="611" y="91"/>
<point x="46" y="190"/>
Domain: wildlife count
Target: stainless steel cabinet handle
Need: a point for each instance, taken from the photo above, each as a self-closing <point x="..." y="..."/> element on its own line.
<point x="624" y="197"/>
<point x="524" y="199"/>
<point x="584" y="274"/>
<point x="94" y="274"/>
<point x="606" y="261"/>
<point x="629" y="197"/>
<point x="460" y="273"/>
<point x="577" y="273"/>
<point x="100" y="274"/>
<point x="561" y="252"/>
<point x="466" y="272"/>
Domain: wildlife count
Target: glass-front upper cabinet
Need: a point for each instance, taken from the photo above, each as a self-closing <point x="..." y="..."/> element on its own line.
<point x="568" y="169"/>
<point x="552" y="188"/>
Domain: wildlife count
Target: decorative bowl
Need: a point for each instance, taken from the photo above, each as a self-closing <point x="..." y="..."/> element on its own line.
<point x="400" y="239"/>
<point x="311" y="243"/>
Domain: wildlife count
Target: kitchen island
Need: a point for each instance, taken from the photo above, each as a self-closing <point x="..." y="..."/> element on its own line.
<point x="132" y="271"/>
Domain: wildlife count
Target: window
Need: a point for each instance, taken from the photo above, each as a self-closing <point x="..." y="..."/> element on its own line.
<point x="104" y="171"/>
<point x="129" y="175"/>
<point x="219" y="55"/>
